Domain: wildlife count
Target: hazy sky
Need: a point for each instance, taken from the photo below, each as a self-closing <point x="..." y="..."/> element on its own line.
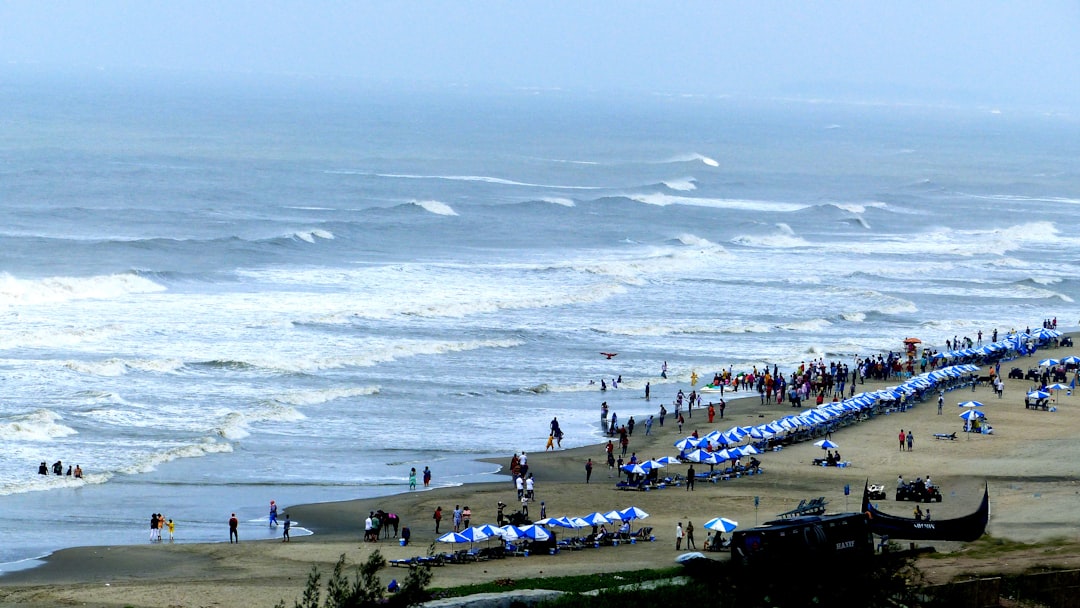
<point x="1012" y="52"/>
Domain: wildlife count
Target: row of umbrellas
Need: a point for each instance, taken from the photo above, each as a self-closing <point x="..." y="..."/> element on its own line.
<point x="1011" y="341"/>
<point x="539" y="532"/>
<point x="1051" y="362"/>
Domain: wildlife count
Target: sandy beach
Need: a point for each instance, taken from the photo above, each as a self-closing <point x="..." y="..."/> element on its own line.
<point x="1028" y="464"/>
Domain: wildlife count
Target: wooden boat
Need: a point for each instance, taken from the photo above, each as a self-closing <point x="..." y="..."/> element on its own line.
<point x="966" y="528"/>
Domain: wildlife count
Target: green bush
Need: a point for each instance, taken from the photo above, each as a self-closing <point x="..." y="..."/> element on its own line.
<point x="365" y="590"/>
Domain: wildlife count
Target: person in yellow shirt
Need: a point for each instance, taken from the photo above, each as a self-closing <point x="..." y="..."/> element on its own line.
<point x="172" y="529"/>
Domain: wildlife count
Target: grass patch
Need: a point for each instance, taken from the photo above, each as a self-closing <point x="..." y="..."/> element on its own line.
<point x="988" y="547"/>
<point x="571" y="584"/>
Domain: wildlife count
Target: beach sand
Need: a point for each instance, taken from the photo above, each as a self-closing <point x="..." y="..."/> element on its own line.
<point x="1028" y="463"/>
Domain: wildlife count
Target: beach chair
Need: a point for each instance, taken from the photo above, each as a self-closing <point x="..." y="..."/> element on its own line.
<point x="405" y="563"/>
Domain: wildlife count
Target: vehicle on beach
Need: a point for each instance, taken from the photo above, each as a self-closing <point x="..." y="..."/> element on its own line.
<point x="876" y="491"/>
<point x="918" y="492"/>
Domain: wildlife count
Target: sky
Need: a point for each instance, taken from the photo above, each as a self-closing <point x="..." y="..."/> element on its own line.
<point x="980" y="51"/>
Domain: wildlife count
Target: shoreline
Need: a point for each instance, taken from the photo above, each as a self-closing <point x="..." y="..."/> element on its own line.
<point x="1025" y="465"/>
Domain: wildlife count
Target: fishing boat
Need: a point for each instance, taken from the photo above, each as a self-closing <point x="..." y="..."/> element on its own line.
<point x="966" y="528"/>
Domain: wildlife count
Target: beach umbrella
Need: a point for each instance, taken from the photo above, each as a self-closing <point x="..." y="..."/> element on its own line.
<point x="554" y="521"/>
<point x="653" y="464"/>
<point x="970" y="404"/>
<point x="1071" y="359"/>
<point x="534" y="532"/>
<point x="700" y="456"/>
<point x="636" y="469"/>
<point x="614" y="516"/>
<point x="578" y="522"/>
<point x="632" y="513"/>
<point x="748" y="450"/>
<point x="597" y="518"/>
<point x="491" y="530"/>
<point x="826" y="444"/>
<point x="972" y="415"/>
<point x="1057" y="386"/>
<point x="1037" y="394"/>
<point x="474" y="535"/>
<point x="1048" y="362"/>
<point x="688" y="443"/>
<point x="666" y="460"/>
<point x="721" y="524"/>
<point x="454" y="537"/>
<point x="511" y="532"/>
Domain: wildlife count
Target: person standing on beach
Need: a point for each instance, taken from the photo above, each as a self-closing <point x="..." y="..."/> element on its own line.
<point x="910" y="439"/>
<point x="712" y="413"/>
<point x="663" y="412"/>
<point x="902" y="438"/>
<point x="457" y="518"/>
<point x="273" y="514"/>
<point x="153" y="526"/>
<point x="234" y="532"/>
<point x="438" y="518"/>
<point x="172" y="529"/>
<point x="690" y="535"/>
<point x="690" y="478"/>
<point x="610" y="462"/>
<point x="678" y="536"/>
<point x="646" y="391"/>
<point x="940" y="403"/>
<point x="588" y="470"/>
<point x="412" y="478"/>
<point x="722" y="406"/>
<point x="427" y="477"/>
<point x="648" y="426"/>
<point x="285" y="531"/>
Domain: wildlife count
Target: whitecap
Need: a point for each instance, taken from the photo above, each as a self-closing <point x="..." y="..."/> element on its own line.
<point x="685" y="184"/>
<point x="39" y="425"/>
<point x="436" y="207"/>
<point x="51" y="290"/>
<point x="555" y="200"/>
<point x="663" y="200"/>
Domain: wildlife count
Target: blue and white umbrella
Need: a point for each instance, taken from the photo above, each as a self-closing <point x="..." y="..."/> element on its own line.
<point x="455" y="537"/>
<point x="970" y="404"/>
<point x="1037" y="394"/>
<point x="1070" y="359"/>
<point x="534" y="532"/>
<point x="1057" y="386"/>
<point x="1048" y="362"/>
<point x="636" y="469"/>
<point x="490" y="530"/>
<point x="826" y="444"/>
<point x="596" y="519"/>
<point x="972" y="415"/>
<point x="632" y="513"/>
<point x="689" y="443"/>
<point x="666" y="460"/>
<point x="721" y="524"/>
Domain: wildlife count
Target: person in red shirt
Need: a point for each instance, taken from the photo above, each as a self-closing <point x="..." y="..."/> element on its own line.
<point x="234" y="525"/>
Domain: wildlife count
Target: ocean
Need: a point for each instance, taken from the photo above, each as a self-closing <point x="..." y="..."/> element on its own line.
<point x="218" y="294"/>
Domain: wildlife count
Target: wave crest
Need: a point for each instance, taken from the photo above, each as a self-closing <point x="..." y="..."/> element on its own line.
<point x="436" y="207"/>
<point x="39" y="425"/>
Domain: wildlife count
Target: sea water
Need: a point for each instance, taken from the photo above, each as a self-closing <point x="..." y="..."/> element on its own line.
<point x="214" y="295"/>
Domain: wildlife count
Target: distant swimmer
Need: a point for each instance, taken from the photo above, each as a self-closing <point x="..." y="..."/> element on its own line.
<point x="609" y="355"/>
